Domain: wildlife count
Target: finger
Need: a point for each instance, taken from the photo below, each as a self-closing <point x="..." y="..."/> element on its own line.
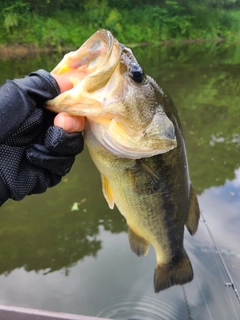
<point x="69" y="123"/>
<point x="64" y="83"/>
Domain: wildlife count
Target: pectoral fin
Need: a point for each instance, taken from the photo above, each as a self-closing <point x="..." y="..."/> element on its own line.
<point x="107" y="192"/>
<point x="138" y="245"/>
<point x="145" y="181"/>
<point x="193" y="213"/>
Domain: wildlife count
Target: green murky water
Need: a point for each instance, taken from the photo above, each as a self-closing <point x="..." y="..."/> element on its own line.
<point x="79" y="261"/>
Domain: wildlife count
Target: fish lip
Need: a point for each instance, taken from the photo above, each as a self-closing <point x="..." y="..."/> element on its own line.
<point x="107" y="37"/>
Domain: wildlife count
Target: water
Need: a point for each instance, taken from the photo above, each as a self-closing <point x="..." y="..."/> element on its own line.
<point x="57" y="259"/>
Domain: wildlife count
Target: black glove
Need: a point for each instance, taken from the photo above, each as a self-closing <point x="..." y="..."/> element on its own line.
<point x="35" y="155"/>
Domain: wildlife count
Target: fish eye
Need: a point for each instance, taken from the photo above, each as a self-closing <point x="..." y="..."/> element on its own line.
<point x="136" y="72"/>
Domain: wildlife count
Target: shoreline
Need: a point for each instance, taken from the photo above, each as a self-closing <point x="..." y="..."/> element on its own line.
<point x="9" y="51"/>
<point x="20" y="51"/>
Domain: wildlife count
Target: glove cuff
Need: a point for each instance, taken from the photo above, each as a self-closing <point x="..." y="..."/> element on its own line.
<point x="4" y="193"/>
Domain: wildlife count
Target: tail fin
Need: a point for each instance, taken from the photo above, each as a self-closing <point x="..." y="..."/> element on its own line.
<point x="178" y="272"/>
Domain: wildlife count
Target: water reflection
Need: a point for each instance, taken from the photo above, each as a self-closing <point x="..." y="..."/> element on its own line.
<point x="80" y="262"/>
<point x="42" y="232"/>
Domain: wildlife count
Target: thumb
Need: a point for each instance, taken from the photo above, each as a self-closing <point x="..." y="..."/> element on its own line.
<point x="64" y="83"/>
<point x="69" y="123"/>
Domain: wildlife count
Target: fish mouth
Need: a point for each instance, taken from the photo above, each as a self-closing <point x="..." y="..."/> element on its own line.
<point x="96" y="59"/>
<point x="89" y="69"/>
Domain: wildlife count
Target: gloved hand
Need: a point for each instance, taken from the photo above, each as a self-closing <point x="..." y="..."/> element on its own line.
<point x="35" y="155"/>
<point x="34" y="158"/>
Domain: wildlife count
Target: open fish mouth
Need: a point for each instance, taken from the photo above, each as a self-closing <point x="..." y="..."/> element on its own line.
<point x="95" y="59"/>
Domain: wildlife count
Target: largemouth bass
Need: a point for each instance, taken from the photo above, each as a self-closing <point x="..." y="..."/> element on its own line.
<point x="134" y="137"/>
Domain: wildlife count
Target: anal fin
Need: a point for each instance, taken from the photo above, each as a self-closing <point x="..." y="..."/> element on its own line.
<point x="138" y="245"/>
<point x="193" y="213"/>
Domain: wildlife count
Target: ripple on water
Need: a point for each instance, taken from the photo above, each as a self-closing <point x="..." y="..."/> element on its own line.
<point x="147" y="308"/>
